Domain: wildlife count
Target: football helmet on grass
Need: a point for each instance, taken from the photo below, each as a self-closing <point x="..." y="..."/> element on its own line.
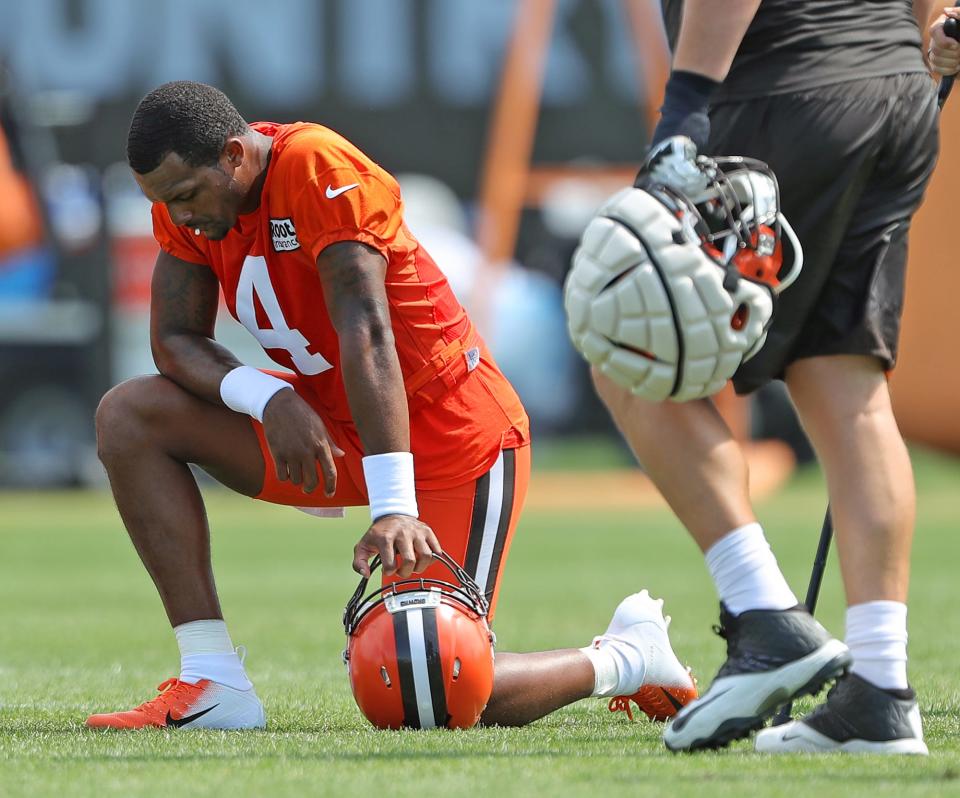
<point x="420" y="652"/>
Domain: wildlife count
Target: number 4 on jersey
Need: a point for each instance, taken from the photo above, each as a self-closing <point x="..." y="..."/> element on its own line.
<point x="254" y="277"/>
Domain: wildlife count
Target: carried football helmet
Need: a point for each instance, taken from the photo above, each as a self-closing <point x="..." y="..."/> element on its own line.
<point x="671" y="290"/>
<point x="420" y="652"/>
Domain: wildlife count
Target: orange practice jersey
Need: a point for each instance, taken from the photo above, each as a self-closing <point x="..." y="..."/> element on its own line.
<point x="320" y="189"/>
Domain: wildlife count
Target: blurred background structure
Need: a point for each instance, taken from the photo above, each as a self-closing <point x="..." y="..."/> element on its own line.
<point x="507" y="122"/>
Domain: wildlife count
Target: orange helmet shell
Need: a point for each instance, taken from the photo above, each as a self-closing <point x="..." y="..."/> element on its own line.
<point x="420" y="655"/>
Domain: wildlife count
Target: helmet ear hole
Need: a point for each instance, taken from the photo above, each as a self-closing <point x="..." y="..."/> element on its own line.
<point x="739" y="319"/>
<point x="385" y="676"/>
<point x="456" y="668"/>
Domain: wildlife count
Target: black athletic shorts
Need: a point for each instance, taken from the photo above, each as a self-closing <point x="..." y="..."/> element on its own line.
<point x="852" y="160"/>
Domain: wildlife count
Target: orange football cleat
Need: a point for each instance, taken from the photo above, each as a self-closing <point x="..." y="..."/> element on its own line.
<point x="657" y="702"/>
<point x="204" y="705"/>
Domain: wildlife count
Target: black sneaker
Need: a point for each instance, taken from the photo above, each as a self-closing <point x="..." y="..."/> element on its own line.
<point x="857" y="717"/>
<point x="773" y="656"/>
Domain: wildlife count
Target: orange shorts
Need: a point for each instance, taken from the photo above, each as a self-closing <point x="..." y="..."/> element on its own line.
<point x="474" y="522"/>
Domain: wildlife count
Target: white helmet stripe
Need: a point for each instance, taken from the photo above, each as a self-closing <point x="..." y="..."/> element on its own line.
<point x="421" y="674"/>
<point x="408" y="693"/>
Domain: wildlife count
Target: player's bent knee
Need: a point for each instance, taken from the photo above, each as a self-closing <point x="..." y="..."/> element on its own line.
<point x="127" y="411"/>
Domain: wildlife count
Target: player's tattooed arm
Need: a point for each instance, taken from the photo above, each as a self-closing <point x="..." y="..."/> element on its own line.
<point x="353" y="275"/>
<point x="183" y="311"/>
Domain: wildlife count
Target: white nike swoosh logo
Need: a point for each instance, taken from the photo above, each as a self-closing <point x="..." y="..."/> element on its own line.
<point x="691" y="709"/>
<point x="336" y="192"/>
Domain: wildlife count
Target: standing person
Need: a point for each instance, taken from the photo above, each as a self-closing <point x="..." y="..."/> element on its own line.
<point x="835" y="97"/>
<point x="392" y="401"/>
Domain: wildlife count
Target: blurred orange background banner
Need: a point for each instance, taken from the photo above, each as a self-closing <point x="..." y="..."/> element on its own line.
<point x="926" y="381"/>
<point x="20" y="224"/>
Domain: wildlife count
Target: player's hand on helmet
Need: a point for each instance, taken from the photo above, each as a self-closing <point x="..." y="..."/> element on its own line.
<point x="298" y="441"/>
<point x="404" y="543"/>
<point x="681" y="133"/>
<point x="673" y="162"/>
<point x="943" y="54"/>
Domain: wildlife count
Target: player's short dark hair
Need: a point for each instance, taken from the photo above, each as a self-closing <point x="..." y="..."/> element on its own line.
<point x="191" y="119"/>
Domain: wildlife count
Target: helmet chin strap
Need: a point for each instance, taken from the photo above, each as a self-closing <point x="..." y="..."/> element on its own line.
<point x="790" y="277"/>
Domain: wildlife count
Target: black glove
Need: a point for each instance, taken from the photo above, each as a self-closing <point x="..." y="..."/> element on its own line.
<point x="684" y="110"/>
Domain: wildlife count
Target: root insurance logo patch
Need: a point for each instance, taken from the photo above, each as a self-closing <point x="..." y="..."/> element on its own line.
<point x="284" y="235"/>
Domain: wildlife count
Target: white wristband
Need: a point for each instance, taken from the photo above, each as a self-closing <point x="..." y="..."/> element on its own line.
<point x="247" y="390"/>
<point x="390" y="484"/>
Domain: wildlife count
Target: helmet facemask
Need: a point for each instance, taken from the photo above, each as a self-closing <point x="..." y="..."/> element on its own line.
<point x="736" y="218"/>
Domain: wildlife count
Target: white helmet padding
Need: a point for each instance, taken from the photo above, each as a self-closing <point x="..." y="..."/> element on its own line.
<point x="668" y="296"/>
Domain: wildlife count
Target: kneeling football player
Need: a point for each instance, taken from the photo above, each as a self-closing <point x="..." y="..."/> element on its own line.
<point x="391" y="400"/>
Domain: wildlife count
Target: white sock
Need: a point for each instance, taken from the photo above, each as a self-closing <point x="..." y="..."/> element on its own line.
<point x="606" y="672"/>
<point x="207" y="652"/>
<point x="877" y="638"/>
<point x="746" y="572"/>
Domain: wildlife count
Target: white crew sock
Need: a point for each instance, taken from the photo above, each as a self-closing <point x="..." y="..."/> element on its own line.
<point x="605" y="669"/>
<point x="746" y="572"/>
<point x="877" y="639"/>
<point x="207" y="652"/>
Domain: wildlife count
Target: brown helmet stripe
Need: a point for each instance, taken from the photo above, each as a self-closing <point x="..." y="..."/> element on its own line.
<point x="431" y="645"/>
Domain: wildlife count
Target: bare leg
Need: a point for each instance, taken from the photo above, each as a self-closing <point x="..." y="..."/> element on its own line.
<point x="148" y="429"/>
<point x="844" y="404"/>
<point x="691" y="456"/>
<point x="528" y="686"/>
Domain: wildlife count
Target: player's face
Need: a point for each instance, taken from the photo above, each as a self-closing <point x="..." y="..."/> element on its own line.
<point x="204" y="198"/>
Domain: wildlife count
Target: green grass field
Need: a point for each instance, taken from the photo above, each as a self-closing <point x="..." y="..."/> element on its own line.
<point x="81" y="630"/>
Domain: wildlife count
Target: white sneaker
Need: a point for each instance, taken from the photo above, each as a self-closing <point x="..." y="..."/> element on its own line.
<point x="856" y="718"/>
<point x="649" y="672"/>
<point x="181" y="705"/>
